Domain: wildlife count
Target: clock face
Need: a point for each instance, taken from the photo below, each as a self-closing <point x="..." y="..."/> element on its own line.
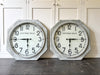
<point x="71" y="40"/>
<point x="27" y="40"/>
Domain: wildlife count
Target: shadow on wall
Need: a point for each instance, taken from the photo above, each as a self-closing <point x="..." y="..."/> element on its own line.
<point x="93" y="52"/>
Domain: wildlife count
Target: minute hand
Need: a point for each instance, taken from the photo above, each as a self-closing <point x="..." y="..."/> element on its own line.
<point x="73" y="39"/>
<point x="23" y="39"/>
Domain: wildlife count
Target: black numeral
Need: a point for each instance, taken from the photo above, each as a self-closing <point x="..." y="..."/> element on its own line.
<point x="69" y="27"/>
<point x="38" y="33"/>
<point x="59" y="45"/>
<point x="80" y="33"/>
<point x="17" y="33"/>
<point x="40" y="39"/>
<point x="37" y="45"/>
<point x="26" y="52"/>
<point x="27" y="27"/>
<point x="76" y="50"/>
<point x="64" y="48"/>
<point x="75" y="28"/>
<point x="69" y="52"/>
<point x="80" y="45"/>
<point x="21" y="28"/>
<point x="33" y="28"/>
<point x="15" y="39"/>
<point x="82" y="39"/>
<point x="59" y="32"/>
<point x="16" y="45"/>
<point x="63" y="28"/>
<point x="57" y="38"/>
<point x="20" y="49"/>
<point x="33" y="50"/>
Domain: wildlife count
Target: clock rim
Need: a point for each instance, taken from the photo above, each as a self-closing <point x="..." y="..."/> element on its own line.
<point x="16" y="50"/>
<point x="63" y="22"/>
<point x="18" y="23"/>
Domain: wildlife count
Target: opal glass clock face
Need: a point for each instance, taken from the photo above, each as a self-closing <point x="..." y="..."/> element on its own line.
<point x="27" y="40"/>
<point x="71" y="40"/>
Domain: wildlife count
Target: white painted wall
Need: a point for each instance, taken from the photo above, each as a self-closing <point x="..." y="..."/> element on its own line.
<point x="49" y="12"/>
<point x="10" y="11"/>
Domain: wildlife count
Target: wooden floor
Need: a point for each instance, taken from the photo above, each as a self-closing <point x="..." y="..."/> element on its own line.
<point x="50" y="67"/>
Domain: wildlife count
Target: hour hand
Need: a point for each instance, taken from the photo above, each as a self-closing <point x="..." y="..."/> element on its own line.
<point x="27" y="42"/>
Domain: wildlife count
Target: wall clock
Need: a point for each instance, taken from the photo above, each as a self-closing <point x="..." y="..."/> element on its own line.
<point x="27" y="40"/>
<point x="70" y="40"/>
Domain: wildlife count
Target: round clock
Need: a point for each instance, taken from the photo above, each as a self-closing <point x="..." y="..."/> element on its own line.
<point x="27" y="40"/>
<point x="70" y="40"/>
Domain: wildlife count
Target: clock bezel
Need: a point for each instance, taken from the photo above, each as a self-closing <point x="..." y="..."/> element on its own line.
<point x="55" y="50"/>
<point x="17" y="24"/>
<point x="85" y="33"/>
<point x="15" y="49"/>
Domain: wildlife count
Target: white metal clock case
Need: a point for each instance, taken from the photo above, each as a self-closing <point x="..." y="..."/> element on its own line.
<point x="27" y="40"/>
<point x="70" y="40"/>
